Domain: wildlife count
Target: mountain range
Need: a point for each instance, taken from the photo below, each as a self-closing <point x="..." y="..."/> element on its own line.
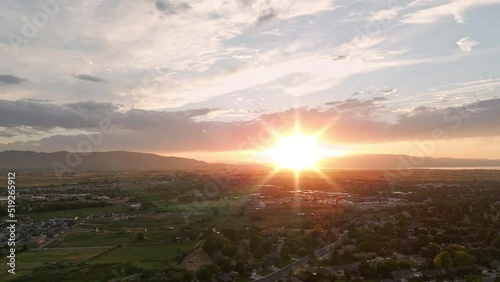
<point x="121" y="160"/>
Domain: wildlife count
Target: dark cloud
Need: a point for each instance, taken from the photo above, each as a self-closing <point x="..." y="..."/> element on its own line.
<point x="11" y="79"/>
<point x="168" y="8"/>
<point x="266" y="16"/>
<point x="47" y="115"/>
<point x="85" y="115"/>
<point x="89" y="78"/>
<point x="337" y="57"/>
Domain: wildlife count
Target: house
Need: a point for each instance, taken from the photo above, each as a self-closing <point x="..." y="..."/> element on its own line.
<point x="228" y="277"/>
<point x="136" y="206"/>
<point x="253" y="268"/>
<point x="369" y="255"/>
<point x="401" y="275"/>
<point x="374" y="262"/>
<point x="429" y="273"/>
<point x="418" y="260"/>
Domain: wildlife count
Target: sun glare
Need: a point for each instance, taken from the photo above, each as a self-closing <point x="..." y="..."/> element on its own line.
<point x="297" y="152"/>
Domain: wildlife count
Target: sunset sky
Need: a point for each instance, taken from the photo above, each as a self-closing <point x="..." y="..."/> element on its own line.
<point x="219" y="80"/>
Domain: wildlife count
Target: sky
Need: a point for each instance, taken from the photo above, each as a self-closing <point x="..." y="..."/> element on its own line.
<point x="221" y="80"/>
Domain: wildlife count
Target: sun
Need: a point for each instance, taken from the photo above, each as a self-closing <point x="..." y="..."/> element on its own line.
<point x="297" y="152"/>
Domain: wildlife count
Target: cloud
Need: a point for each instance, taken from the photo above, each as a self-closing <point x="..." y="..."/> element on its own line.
<point x="168" y="8"/>
<point x="385" y="15"/>
<point x="7" y="134"/>
<point x="355" y="103"/>
<point x="86" y="115"/>
<point x="87" y="77"/>
<point x="338" y="57"/>
<point x="344" y="122"/>
<point x="455" y="8"/>
<point x="11" y="79"/>
<point x="266" y="17"/>
<point x="465" y="44"/>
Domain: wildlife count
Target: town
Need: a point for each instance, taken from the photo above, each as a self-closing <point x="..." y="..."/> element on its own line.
<point x="253" y="226"/>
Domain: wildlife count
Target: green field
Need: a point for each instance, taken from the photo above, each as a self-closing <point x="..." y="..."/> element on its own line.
<point x="151" y="256"/>
<point x="33" y="259"/>
<point x="124" y="232"/>
<point x="78" y="212"/>
<point x="80" y="262"/>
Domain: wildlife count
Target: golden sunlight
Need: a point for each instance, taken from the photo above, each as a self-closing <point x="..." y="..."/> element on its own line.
<point x="297" y="152"/>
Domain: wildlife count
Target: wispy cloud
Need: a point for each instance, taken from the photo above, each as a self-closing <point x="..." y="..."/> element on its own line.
<point x="465" y="44"/>
<point x="455" y="9"/>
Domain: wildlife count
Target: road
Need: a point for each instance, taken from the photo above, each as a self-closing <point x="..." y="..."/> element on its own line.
<point x="301" y="262"/>
<point x="328" y="249"/>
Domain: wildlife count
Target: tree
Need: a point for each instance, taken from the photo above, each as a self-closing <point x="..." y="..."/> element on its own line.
<point x="367" y="271"/>
<point x="229" y="250"/>
<point x="140" y="236"/>
<point x="239" y="267"/>
<point x="347" y="256"/>
<point x="387" y="266"/>
<point x="258" y="253"/>
<point x="255" y="242"/>
<point x="422" y="240"/>
<point x="369" y="246"/>
<point x="207" y="272"/>
<point x="443" y="260"/>
<point x="404" y="265"/>
<point x="496" y="243"/>
<point x="285" y="253"/>
<point x="216" y="211"/>
<point x="318" y="229"/>
<point x="215" y="242"/>
<point x="230" y="233"/>
<point x="335" y="258"/>
<point x="267" y="246"/>
<point x="302" y="252"/>
<point x="462" y="258"/>
<point x="431" y="251"/>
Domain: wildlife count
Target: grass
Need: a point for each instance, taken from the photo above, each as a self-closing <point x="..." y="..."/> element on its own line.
<point x="283" y="263"/>
<point x="124" y="232"/>
<point x="28" y="261"/>
<point x="148" y="257"/>
<point x="78" y="212"/>
<point x="244" y="279"/>
<point x="91" y="239"/>
<point x="91" y="259"/>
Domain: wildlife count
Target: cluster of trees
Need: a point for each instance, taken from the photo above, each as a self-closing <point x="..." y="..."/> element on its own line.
<point x="63" y="205"/>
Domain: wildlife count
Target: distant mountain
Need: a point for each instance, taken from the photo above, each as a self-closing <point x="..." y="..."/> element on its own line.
<point x="119" y="160"/>
<point x="403" y="161"/>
